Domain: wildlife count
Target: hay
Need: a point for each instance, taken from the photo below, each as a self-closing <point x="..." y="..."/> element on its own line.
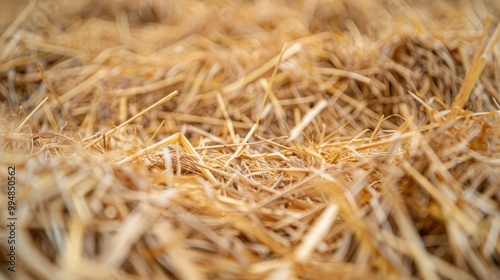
<point x="252" y="139"/>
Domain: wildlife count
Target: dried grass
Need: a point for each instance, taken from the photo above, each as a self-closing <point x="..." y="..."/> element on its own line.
<point x="253" y="139"/>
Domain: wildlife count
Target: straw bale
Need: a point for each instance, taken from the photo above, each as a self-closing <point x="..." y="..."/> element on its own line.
<point x="251" y="139"/>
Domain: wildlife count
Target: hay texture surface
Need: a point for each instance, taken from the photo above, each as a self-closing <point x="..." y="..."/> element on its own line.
<point x="251" y="139"/>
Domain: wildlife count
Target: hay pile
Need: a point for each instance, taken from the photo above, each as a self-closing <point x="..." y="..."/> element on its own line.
<point x="252" y="139"/>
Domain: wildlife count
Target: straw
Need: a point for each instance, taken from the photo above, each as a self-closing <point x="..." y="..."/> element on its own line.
<point x="251" y="139"/>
